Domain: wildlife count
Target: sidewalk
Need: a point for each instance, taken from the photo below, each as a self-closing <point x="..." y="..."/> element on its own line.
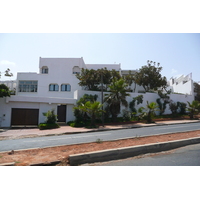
<point x="35" y="132"/>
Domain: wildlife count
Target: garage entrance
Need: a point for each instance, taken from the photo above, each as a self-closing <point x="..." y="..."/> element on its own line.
<point x="23" y="116"/>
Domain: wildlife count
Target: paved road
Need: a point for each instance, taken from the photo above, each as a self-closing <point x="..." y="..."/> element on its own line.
<point x="184" y="156"/>
<point x="26" y="143"/>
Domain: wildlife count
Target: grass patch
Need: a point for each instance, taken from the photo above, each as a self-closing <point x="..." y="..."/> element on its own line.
<point x="99" y="141"/>
<point x="77" y="123"/>
<point x="170" y="116"/>
<point x="45" y="126"/>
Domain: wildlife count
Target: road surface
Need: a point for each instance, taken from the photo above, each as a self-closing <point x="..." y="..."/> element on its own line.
<point x="50" y="141"/>
<point x="184" y="156"/>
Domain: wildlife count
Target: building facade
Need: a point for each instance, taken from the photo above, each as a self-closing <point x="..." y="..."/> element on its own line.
<point x="54" y="87"/>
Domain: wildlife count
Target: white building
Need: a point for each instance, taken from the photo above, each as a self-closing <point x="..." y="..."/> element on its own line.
<point x="54" y="87"/>
<point x="182" y="85"/>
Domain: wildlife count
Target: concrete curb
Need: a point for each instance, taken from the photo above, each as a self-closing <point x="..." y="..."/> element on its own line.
<point x="8" y="164"/>
<point x="46" y="163"/>
<point x="120" y="153"/>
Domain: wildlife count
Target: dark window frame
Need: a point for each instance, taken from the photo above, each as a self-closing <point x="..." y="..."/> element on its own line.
<point x="28" y="86"/>
<point x="53" y="87"/>
<point x="65" y="88"/>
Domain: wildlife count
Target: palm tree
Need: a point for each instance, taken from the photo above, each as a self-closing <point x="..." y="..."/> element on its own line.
<point x="117" y="96"/>
<point x="93" y="109"/>
<point x="193" y="108"/>
<point x="148" y="112"/>
<point x="151" y="108"/>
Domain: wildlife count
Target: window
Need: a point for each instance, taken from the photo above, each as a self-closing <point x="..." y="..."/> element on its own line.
<point x="44" y="70"/>
<point x="53" y="87"/>
<point x="65" y="87"/>
<point x="76" y="70"/>
<point x="28" y="86"/>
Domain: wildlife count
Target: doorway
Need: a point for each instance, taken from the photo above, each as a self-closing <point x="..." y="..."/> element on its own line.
<point x="61" y="112"/>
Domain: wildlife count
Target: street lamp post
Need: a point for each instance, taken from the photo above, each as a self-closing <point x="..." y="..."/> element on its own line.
<point x="102" y="116"/>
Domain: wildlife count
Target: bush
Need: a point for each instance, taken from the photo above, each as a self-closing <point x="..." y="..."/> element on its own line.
<point x="51" y="118"/>
<point x="77" y="123"/>
<point x="48" y="126"/>
<point x="182" y="107"/>
<point x="126" y="115"/>
<point x="69" y="122"/>
<point x="173" y="107"/>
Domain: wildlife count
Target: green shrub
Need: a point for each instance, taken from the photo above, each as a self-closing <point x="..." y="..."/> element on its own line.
<point x="51" y="118"/>
<point x="69" y="122"/>
<point x="173" y="107"/>
<point x="48" y="126"/>
<point x="77" y="123"/>
<point x="182" y="107"/>
<point x="99" y="140"/>
<point x="126" y="115"/>
<point x="139" y="100"/>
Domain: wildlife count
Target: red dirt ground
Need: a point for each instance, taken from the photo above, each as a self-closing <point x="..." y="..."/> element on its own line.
<point x="28" y="157"/>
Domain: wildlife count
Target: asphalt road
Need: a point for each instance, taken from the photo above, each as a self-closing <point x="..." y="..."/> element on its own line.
<point x="49" y="141"/>
<point x="184" y="156"/>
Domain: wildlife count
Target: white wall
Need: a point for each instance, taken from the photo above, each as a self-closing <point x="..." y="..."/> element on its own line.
<point x="6" y="108"/>
<point x="60" y="71"/>
<point x="70" y="113"/>
<point x="186" y="88"/>
<point x="150" y="97"/>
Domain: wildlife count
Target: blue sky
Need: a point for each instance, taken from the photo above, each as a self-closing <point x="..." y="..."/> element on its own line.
<point x="178" y="53"/>
<point x="102" y="32"/>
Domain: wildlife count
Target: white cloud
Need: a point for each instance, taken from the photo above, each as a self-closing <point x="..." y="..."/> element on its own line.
<point x="174" y="71"/>
<point x="6" y="63"/>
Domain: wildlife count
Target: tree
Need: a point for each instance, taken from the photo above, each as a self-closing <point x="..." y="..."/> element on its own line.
<point x="116" y="97"/>
<point x="7" y="73"/>
<point x="182" y="107"/>
<point x="88" y="79"/>
<point x="4" y="91"/>
<point x="162" y="101"/>
<point x="129" y="79"/>
<point x="93" y="109"/>
<point x="149" y="112"/>
<point x="197" y="91"/>
<point x="81" y="115"/>
<point x="107" y="77"/>
<point x="139" y="100"/>
<point x="193" y="108"/>
<point x="150" y="78"/>
<point x="91" y="79"/>
<point x="173" y="107"/>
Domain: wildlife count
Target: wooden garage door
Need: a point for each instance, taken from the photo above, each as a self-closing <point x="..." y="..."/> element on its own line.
<point x="22" y="116"/>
